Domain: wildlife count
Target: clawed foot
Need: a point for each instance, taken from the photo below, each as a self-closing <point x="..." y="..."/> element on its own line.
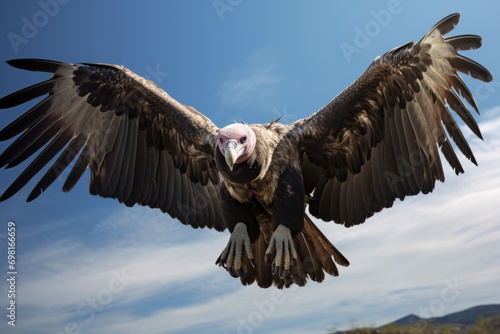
<point x="231" y="256"/>
<point x="286" y="254"/>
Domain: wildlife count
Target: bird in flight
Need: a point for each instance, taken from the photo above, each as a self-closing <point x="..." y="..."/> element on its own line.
<point x="375" y="142"/>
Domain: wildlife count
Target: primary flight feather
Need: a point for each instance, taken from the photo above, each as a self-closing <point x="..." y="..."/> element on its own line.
<point x="376" y="141"/>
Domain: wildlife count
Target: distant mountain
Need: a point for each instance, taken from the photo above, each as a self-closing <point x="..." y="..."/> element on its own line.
<point x="469" y="316"/>
<point x="466" y="317"/>
<point x="463" y="322"/>
<point x="409" y="320"/>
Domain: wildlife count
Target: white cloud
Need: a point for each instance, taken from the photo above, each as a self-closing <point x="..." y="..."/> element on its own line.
<point x="401" y="261"/>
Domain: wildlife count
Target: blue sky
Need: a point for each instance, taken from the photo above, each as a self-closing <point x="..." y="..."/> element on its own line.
<point x="90" y="265"/>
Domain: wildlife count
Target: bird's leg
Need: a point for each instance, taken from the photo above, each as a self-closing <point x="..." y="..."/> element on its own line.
<point x="282" y="241"/>
<point x="288" y="214"/>
<point x="239" y="242"/>
<point x="244" y="229"/>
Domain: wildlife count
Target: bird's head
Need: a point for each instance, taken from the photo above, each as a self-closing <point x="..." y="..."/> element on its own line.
<point x="236" y="142"/>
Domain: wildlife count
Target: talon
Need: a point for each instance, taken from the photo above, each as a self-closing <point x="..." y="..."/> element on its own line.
<point x="238" y="244"/>
<point x="286" y="255"/>
<point x="233" y="273"/>
<point x="284" y="273"/>
<point x="266" y="259"/>
<point x="241" y="273"/>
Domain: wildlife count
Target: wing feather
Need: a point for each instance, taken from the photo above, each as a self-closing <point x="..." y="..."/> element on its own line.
<point x="27" y="94"/>
<point x="380" y="139"/>
<point x="78" y="168"/>
<point x="404" y="151"/>
<point x="140" y="145"/>
<point x="465" y="42"/>
<point x="55" y="170"/>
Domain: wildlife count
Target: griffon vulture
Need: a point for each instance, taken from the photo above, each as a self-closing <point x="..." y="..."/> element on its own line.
<point x="376" y="141"/>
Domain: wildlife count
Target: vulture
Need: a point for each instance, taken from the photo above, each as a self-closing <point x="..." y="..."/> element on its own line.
<point x="379" y="140"/>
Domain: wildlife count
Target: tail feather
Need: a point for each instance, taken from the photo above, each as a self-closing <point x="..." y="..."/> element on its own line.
<point x="316" y="255"/>
<point x="329" y="249"/>
<point x="261" y="272"/>
<point x="308" y="256"/>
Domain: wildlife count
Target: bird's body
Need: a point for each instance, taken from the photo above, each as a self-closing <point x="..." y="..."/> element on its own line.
<point x="375" y="142"/>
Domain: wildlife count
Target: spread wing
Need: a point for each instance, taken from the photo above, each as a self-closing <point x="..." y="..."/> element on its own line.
<point x="140" y="145"/>
<point x="380" y="138"/>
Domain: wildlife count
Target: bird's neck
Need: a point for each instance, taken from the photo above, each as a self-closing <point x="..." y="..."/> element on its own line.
<point x="242" y="173"/>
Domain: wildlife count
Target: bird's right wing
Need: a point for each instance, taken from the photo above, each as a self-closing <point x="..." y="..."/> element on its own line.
<point x="141" y="145"/>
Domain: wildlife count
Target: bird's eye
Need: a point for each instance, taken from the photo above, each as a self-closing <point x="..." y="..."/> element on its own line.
<point x="221" y="140"/>
<point x="243" y="140"/>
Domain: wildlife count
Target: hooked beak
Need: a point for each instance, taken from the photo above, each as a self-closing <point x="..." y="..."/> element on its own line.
<point x="231" y="154"/>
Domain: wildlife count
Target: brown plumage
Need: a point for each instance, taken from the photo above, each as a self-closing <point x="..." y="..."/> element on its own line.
<point x="376" y="141"/>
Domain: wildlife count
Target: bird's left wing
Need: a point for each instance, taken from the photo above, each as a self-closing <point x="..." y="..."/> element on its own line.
<point x="379" y="139"/>
<point x="141" y="145"/>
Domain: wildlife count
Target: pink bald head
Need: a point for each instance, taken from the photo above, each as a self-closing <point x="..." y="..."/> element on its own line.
<point x="236" y="142"/>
